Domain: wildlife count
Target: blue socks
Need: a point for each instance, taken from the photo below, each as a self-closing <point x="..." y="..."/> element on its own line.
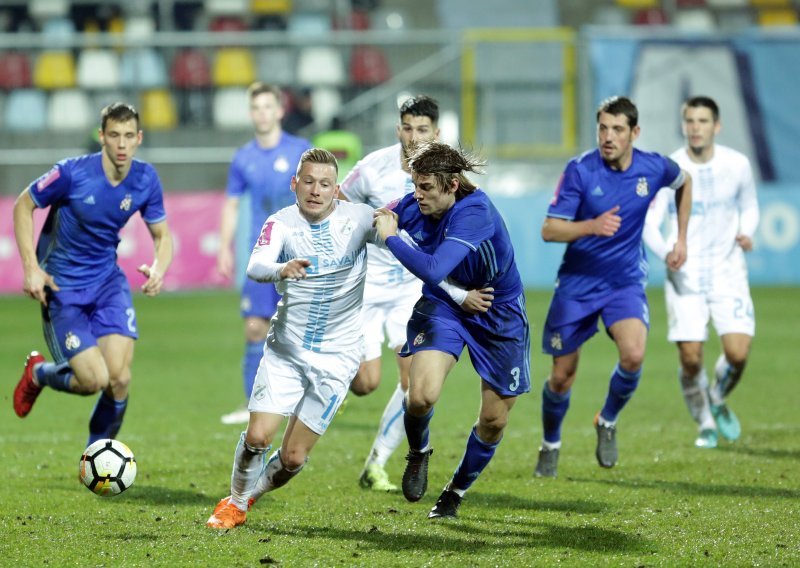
<point x="417" y="430"/>
<point x="476" y="457"/>
<point x="54" y="375"/>
<point x="252" y="357"/>
<point x="620" y="390"/>
<point x="107" y="418"/>
<point x="554" y="408"/>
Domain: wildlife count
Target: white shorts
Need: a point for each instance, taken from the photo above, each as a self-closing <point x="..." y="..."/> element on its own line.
<point x="730" y="310"/>
<point x="385" y="314"/>
<point x="292" y="380"/>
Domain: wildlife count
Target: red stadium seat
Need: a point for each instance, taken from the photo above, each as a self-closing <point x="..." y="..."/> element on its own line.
<point x="190" y="69"/>
<point x="227" y="24"/>
<point x="650" y="17"/>
<point x="15" y="70"/>
<point x="368" y="66"/>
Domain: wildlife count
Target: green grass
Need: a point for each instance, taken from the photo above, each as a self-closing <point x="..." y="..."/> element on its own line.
<point x="666" y="503"/>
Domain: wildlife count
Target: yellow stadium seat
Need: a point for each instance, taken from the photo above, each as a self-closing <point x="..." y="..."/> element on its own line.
<point x="638" y="3"/>
<point x="777" y="18"/>
<point x="158" y="110"/>
<point x="54" y="70"/>
<point x="270" y="7"/>
<point x="233" y="67"/>
<point x="770" y="3"/>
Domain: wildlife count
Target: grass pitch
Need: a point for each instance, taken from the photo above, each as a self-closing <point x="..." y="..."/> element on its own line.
<point x="665" y="503"/>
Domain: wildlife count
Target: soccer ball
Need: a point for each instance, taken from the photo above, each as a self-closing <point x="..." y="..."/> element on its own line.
<point x="107" y="467"/>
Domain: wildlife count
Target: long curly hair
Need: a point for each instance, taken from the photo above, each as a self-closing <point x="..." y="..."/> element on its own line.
<point x="445" y="163"/>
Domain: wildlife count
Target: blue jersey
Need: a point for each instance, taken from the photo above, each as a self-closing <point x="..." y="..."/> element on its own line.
<point x="78" y="244"/>
<point x="475" y="222"/>
<point x="594" y="265"/>
<point x="265" y="174"/>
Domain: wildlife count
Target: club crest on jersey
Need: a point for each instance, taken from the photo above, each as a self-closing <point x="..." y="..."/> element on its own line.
<point x="126" y="203"/>
<point x="642" y="189"/>
<point x="266" y="234"/>
<point x="281" y="164"/>
<point x="347" y="228"/>
<point x="72" y="341"/>
<point x="259" y="392"/>
<point x="419" y="339"/>
<point x="555" y="342"/>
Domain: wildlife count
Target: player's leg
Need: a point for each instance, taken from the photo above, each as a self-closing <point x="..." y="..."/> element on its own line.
<point x="289" y="459"/>
<point x="373" y="315"/>
<point x="109" y="410"/>
<point x="391" y="430"/>
<point x="248" y="464"/>
<point x="258" y="304"/>
<point x="734" y="319"/>
<point x="694" y="385"/>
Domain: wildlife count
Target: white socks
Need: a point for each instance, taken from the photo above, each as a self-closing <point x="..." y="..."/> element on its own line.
<point x="695" y="394"/>
<point x="247" y="466"/>
<point x="391" y="431"/>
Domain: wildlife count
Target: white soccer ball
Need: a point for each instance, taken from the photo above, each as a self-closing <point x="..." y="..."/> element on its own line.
<point x="107" y="467"/>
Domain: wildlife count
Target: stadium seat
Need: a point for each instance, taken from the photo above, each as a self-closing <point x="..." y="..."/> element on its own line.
<point x="98" y="69"/>
<point x="271" y="7"/>
<point x="638" y="3"/>
<point x="44" y="9"/>
<point x="226" y="7"/>
<point x="308" y="23"/>
<point x="54" y="70"/>
<point x="325" y="105"/>
<point x="139" y="29"/>
<point x="368" y="66"/>
<point x="344" y="144"/>
<point x="227" y="24"/>
<point x="694" y="19"/>
<point x="58" y="33"/>
<point x="158" y="110"/>
<point x="143" y="68"/>
<point x="15" y="70"/>
<point x="230" y="108"/>
<point x="26" y="110"/>
<point x="69" y="110"/>
<point x="320" y="66"/>
<point x="771" y="3"/>
<point x="777" y="17"/>
<point x="233" y="66"/>
<point x="190" y="69"/>
<point x="194" y="106"/>
<point x="650" y="17"/>
<point x="276" y="65"/>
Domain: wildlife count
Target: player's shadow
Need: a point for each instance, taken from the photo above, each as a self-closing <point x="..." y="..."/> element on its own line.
<point x="760" y="451"/>
<point x="473" y="537"/>
<point x="702" y="489"/>
<point x="156" y="495"/>
<point x="507" y="501"/>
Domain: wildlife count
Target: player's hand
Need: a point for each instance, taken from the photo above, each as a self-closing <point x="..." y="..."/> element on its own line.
<point x="295" y="269"/>
<point x="35" y="282"/>
<point x="607" y="224"/>
<point x="677" y="256"/>
<point x="478" y="301"/>
<point x="745" y="242"/>
<point x="385" y="221"/>
<point x="154" y="280"/>
<point x="225" y="262"/>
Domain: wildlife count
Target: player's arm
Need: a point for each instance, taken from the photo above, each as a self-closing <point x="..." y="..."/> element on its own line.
<point x="748" y="211"/>
<point x="35" y="279"/>
<point x="162" y="258"/>
<point x="264" y="266"/>
<point x="652" y="235"/>
<point x="559" y="230"/>
<point x="227" y="230"/>
<point x="683" y="202"/>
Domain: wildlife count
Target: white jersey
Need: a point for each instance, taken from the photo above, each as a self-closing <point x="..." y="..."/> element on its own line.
<point x="724" y="205"/>
<point x="378" y="179"/>
<point x="322" y="312"/>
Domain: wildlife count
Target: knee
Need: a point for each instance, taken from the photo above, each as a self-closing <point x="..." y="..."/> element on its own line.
<point x="490" y="428"/>
<point x="418" y="404"/>
<point x="292" y="458"/>
<point x="631" y="359"/>
<point x="560" y="382"/>
<point x="364" y="383"/>
<point x="691" y="363"/>
<point x="737" y="358"/>
<point x="255" y="330"/>
<point x="91" y="382"/>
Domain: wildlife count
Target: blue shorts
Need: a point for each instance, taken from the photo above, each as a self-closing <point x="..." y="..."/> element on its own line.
<point x="73" y="319"/>
<point x="498" y="341"/>
<point x="571" y="323"/>
<point x="259" y="299"/>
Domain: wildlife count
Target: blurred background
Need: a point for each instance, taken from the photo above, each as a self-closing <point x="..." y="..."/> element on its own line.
<point x="518" y="81"/>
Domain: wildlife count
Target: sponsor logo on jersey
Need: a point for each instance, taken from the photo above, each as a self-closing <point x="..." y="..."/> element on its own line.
<point x="555" y="342"/>
<point x="266" y="234"/>
<point x="642" y="188"/>
<point x="419" y="339"/>
<point x="246" y="304"/>
<point x="48" y="178"/>
<point x="72" y="341"/>
<point x="259" y="392"/>
<point x="598" y="191"/>
<point x="89" y="200"/>
<point x="126" y="203"/>
<point x="339" y="262"/>
<point x="281" y="164"/>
